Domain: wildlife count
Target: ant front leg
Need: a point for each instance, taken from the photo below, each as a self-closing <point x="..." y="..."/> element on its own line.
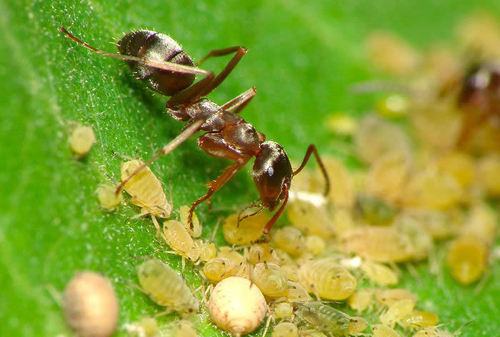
<point x="209" y="83"/>
<point x="311" y="149"/>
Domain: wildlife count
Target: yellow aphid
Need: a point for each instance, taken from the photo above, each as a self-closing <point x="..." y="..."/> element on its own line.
<point x="290" y="240"/>
<point x="184" y="214"/>
<point x="248" y="230"/>
<point x="357" y="325"/>
<point x="489" y="173"/>
<point x="389" y="297"/>
<point x="434" y="332"/>
<point x="342" y="191"/>
<point x="419" y="319"/>
<point x="421" y="240"/>
<point x="231" y="254"/>
<point x="380" y="330"/>
<point x="145" y="327"/>
<point x="297" y="293"/>
<point x="218" y="269"/>
<point x="327" y="279"/>
<point x="145" y="189"/>
<point x="282" y="310"/>
<point x="82" y="139"/>
<point x="341" y="124"/>
<point x="304" y="332"/>
<point x="381" y="244"/>
<point x="307" y="181"/>
<point x="323" y="317"/>
<point x="479" y="33"/>
<point x="482" y="222"/>
<point x="179" y="240"/>
<point x="374" y="211"/>
<point x="291" y="271"/>
<point x="315" y="245"/>
<point x="107" y="197"/>
<point x="184" y="328"/>
<point x="90" y="305"/>
<point x="207" y="250"/>
<point x="361" y="300"/>
<point x="460" y="166"/>
<point x="389" y="53"/>
<point x="387" y="177"/>
<point x="376" y="138"/>
<point x="397" y="311"/>
<point x="379" y="273"/>
<point x="270" y="279"/>
<point x="262" y="252"/>
<point x="439" y="225"/>
<point x="343" y="221"/>
<point x="432" y="189"/>
<point x="393" y="106"/>
<point x="237" y="305"/>
<point x="285" y="329"/>
<point x="467" y="259"/>
<point x="310" y="218"/>
<point x="165" y="287"/>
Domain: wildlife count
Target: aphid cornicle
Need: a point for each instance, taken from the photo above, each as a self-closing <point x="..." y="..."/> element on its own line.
<point x="160" y="61"/>
<point x="165" y="287"/>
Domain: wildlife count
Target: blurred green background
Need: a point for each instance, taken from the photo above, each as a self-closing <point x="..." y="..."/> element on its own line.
<point x="303" y="55"/>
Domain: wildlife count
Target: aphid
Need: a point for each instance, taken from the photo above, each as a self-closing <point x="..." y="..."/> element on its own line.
<point x="282" y="310"/>
<point x="380" y="330"/>
<point x="315" y="245"/>
<point x="107" y="197"/>
<point x="361" y="300"/>
<point x="90" y="305"/>
<point x="460" y="165"/>
<point x="488" y="173"/>
<point x="327" y="279"/>
<point x="218" y="269"/>
<point x="297" y="293"/>
<point x="310" y="218"/>
<point x="145" y="327"/>
<point x="342" y="192"/>
<point x="341" y="124"/>
<point x="381" y="244"/>
<point x="290" y="240"/>
<point x="374" y="211"/>
<point x="481" y="222"/>
<point x="304" y="332"/>
<point x="82" y="139"/>
<point x="178" y="238"/>
<point x="262" y="252"/>
<point x="421" y="240"/>
<point x="323" y="317"/>
<point x="243" y="232"/>
<point x="390" y="296"/>
<point x="397" y="311"/>
<point x="393" y="106"/>
<point x="467" y="259"/>
<point x="357" y="325"/>
<point x="166" y="68"/>
<point x="145" y="189"/>
<point x="419" y="319"/>
<point x="432" y="189"/>
<point x="196" y="231"/>
<point x="230" y="254"/>
<point x="207" y="250"/>
<point x="439" y="225"/>
<point x="270" y="280"/>
<point x="285" y="329"/>
<point x="379" y="273"/>
<point x="237" y="305"/>
<point x="165" y="287"/>
<point x="184" y="328"/>
<point x="387" y="177"/>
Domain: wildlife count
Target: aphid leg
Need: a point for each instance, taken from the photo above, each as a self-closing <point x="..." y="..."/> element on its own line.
<point x="216" y="184"/>
<point x="162" y="65"/>
<point x="158" y="228"/>
<point x="268" y="322"/>
<point x="239" y="102"/>
<point x="311" y="149"/>
<point x="165" y="150"/>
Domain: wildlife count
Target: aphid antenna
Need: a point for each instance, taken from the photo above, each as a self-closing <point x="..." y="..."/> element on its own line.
<point x="216" y="228"/>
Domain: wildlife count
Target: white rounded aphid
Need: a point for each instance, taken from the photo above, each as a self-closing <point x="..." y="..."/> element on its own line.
<point x="90" y="305"/>
<point x="237" y="305"/>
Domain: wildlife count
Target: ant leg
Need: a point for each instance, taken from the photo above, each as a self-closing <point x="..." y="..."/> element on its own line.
<point x="312" y="149"/>
<point x="216" y="184"/>
<point x="238" y="103"/>
<point x="165" y="150"/>
<point x="209" y="83"/>
<point x="162" y="65"/>
<point x="275" y="217"/>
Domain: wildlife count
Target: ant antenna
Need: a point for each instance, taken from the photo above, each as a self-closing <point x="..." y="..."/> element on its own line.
<point x="311" y="149"/>
<point x="254" y="203"/>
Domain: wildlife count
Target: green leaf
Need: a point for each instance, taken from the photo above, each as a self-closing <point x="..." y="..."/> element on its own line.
<point x="302" y="58"/>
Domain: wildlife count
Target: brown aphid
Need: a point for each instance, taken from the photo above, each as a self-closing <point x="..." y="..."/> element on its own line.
<point x="166" y="287"/>
<point x="178" y="238"/>
<point x="467" y="259"/>
<point x="82" y="139"/>
<point x="327" y="279"/>
<point x="107" y="197"/>
<point x="244" y="231"/>
<point x="419" y="319"/>
<point x="390" y="296"/>
<point x="145" y="189"/>
<point x="290" y="240"/>
<point x="270" y="279"/>
<point x="90" y="305"/>
<point x="237" y="305"/>
<point x="381" y="244"/>
<point x="285" y="329"/>
<point x="218" y="269"/>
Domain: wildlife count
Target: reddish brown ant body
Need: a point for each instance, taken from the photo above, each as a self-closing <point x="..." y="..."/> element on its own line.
<point x="159" y="60"/>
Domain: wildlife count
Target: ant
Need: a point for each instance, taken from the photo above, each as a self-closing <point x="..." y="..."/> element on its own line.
<point x="160" y="61"/>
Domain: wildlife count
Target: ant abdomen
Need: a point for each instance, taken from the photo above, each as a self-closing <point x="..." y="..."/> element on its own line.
<point x="157" y="47"/>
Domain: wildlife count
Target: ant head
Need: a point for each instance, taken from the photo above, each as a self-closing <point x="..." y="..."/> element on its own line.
<point x="272" y="173"/>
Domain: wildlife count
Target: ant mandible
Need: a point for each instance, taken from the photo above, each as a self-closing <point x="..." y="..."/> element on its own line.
<point x="160" y="61"/>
